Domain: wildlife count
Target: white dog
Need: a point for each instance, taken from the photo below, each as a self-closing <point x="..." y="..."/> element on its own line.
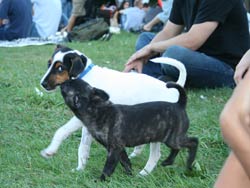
<point x="123" y="88"/>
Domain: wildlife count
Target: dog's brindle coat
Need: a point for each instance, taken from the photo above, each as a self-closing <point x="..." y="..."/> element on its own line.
<point x="123" y="88"/>
<point x="119" y="126"/>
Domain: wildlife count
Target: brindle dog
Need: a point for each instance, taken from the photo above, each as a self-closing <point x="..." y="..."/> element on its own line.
<point x="118" y="126"/>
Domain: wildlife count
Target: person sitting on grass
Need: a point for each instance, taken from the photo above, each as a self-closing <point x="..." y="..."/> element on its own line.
<point x="208" y="36"/>
<point x="160" y="19"/>
<point x="19" y="16"/>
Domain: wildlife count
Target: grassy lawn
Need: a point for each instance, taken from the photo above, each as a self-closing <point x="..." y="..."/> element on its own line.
<point x="28" y="122"/>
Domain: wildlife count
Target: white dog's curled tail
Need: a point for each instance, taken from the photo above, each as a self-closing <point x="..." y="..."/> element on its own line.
<point x="170" y="61"/>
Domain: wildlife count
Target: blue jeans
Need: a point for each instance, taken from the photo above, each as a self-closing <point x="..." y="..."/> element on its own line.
<point x="203" y="71"/>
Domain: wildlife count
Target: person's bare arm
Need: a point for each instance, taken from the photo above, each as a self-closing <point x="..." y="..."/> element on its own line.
<point x="193" y="39"/>
<point x="169" y="36"/>
<point x="70" y="25"/>
<point x="235" y="122"/>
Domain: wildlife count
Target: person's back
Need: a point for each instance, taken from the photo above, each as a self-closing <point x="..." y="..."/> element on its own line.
<point x="19" y="14"/>
<point x="47" y="15"/>
<point x="133" y="16"/>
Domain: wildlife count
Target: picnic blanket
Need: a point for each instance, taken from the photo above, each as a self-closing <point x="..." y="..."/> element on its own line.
<point x="55" y="39"/>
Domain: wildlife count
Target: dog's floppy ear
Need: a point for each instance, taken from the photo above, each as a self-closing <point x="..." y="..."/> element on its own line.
<point x="100" y="94"/>
<point x="75" y="64"/>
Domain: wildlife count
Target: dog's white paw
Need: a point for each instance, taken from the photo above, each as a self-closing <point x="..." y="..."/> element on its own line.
<point x="79" y="168"/>
<point x="143" y="172"/>
<point x="132" y="155"/>
<point x="46" y="154"/>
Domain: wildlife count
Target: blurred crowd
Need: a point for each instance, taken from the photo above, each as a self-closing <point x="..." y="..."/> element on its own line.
<point x="43" y="18"/>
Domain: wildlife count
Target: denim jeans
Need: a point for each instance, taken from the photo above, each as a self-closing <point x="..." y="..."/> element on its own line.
<point x="203" y="71"/>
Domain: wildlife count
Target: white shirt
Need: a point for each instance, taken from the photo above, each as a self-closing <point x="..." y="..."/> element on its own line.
<point x="133" y="18"/>
<point x="47" y="16"/>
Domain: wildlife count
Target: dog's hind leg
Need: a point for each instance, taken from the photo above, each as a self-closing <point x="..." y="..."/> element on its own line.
<point x="155" y="154"/>
<point x="125" y="162"/>
<point x="111" y="162"/>
<point x="61" y="134"/>
<point x="84" y="148"/>
<point x="192" y="145"/>
<point x="137" y="151"/>
<point x="170" y="159"/>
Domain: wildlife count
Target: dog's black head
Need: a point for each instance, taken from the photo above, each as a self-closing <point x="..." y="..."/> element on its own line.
<point x="65" y="64"/>
<point x="78" y="94"/>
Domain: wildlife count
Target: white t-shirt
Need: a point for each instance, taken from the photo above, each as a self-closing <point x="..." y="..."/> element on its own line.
<point x="133" y="18"/>
<point x="47" y="16"/>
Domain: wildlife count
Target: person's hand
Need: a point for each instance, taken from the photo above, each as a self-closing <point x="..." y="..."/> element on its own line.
<point x="64" y="30"/>
<point x="241" y="70"/>
<point x="136" y="61"/>
<point x="242" y="67"/>
<point x="136" y="65"/>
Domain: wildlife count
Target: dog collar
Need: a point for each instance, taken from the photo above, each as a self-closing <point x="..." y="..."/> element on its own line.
<point x="86" y="70"/>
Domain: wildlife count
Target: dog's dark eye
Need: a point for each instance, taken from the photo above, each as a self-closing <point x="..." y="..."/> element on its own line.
<point x="60" y="69"/>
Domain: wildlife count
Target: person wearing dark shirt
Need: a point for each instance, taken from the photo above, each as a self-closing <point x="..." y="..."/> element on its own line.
<point x="208" y="36"/>
<point x="19" y="15"/>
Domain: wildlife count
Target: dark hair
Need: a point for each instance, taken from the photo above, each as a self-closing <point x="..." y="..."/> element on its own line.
<point x="122" y="4"/>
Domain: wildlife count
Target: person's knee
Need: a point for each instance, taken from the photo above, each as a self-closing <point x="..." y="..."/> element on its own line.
<point x="176" y="52"/>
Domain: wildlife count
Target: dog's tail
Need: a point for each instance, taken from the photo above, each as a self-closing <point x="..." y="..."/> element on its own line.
<point x="182" y="94"/>
<point x="170" y="61"/>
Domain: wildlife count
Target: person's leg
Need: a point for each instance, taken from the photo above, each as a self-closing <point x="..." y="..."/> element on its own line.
<point x="34" y="32"/>
<point x="202" y="71"/>
<point x="2" y="33"/>
<point x="151" y="69"/>
<point x="232" y="175"/>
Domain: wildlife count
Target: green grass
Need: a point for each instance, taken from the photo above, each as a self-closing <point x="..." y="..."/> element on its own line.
<point x="28" y="122"/>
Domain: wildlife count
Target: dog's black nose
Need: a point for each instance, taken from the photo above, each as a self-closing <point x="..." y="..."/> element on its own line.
<point x="44" y="84"/>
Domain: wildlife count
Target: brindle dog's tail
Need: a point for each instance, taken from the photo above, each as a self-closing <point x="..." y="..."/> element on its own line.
<point x="182" y="94"/>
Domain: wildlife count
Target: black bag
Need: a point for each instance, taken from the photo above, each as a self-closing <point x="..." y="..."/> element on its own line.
<point x="92" y="29"/>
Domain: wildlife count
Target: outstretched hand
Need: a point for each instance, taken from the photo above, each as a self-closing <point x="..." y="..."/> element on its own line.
<point x="240" y="72"/>
<point x="242" y="67"/>
<point x="136" y="65"/>
<point x="136" y="61"/>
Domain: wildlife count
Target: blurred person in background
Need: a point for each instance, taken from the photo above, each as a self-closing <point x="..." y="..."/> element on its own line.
<point x="66" y="12"/>
<point x="161" y="18"/>
<point x="15" y="19"/>
<point x="117" y="17"/>
<point x="46" y="17"/>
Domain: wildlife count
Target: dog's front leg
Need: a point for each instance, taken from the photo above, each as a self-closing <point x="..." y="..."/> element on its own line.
<point x="84" y="148"/>
<point x="154" y="156"/>
<point x="125" y="162"/>
<point x="112" y="160"/>
<point x="61" y="134"/>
